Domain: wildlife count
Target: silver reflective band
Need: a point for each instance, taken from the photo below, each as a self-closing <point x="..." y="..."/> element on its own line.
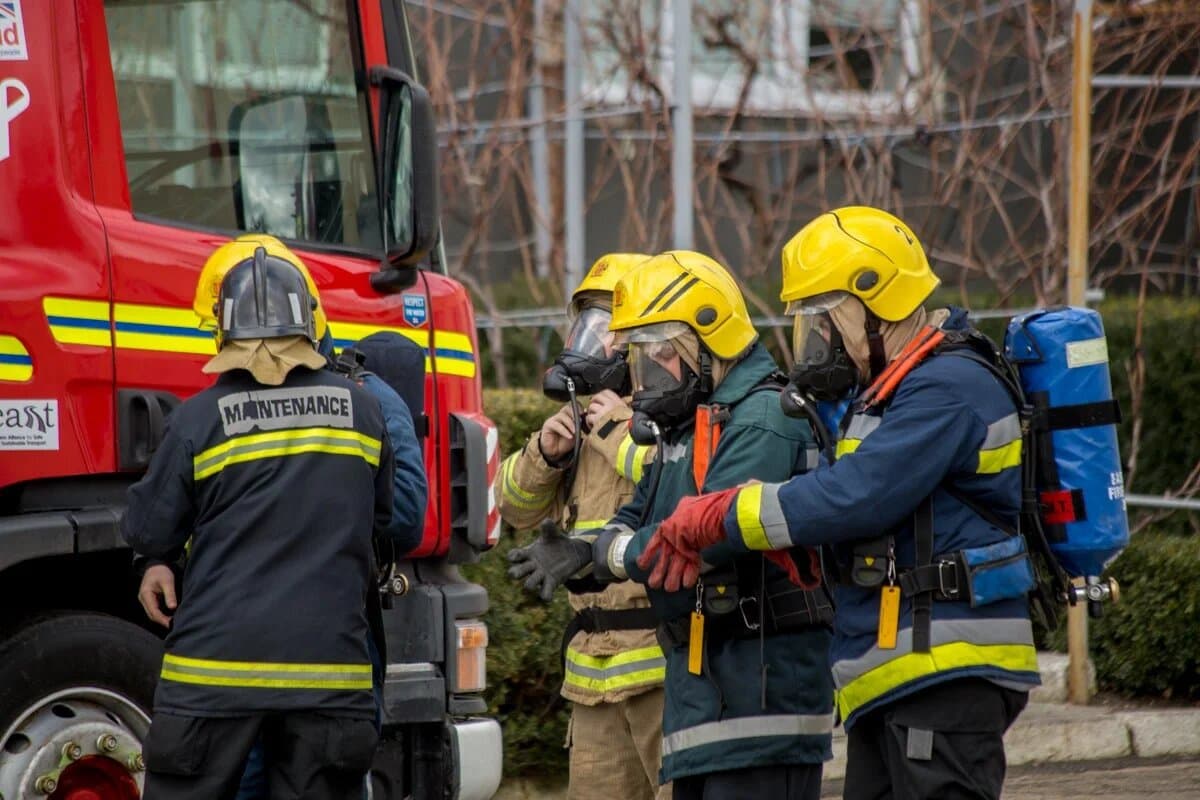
<point x="727" y="730"/>
<point x="1001" y="432"/>
<point x="674" y="452"/>
<point x="616" y="555"/>
<point x="608" y="673"/>
<point x="861" y="426"/>
<point x="770" y="516"/>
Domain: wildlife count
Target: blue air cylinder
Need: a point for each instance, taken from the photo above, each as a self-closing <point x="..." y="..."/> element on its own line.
<point x="1062" y="356"/>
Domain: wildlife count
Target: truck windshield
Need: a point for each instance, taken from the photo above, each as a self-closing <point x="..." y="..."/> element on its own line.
<point x="245" y="115"/>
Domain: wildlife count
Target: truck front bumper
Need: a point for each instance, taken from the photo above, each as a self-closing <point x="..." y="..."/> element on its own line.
<point x="478" y="757"/>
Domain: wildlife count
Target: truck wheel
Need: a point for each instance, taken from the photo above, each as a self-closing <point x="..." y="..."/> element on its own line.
<point x="76" y="691"/>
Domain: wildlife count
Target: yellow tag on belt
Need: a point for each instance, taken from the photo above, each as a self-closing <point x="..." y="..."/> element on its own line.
<point x="889" y="617"/>
<point x="696" y="644"/>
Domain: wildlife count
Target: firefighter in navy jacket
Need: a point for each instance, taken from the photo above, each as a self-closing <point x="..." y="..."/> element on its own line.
<point x="928" y="675"/>
<point x="279" y="474"/>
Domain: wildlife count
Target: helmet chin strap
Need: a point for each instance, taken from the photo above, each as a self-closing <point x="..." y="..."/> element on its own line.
<point x="875" y="346"/>
<point x="706" y="372"/>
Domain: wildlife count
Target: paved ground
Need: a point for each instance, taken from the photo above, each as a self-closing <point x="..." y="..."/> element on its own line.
<point x="1109" y="750"/>
<point x="1119" y="779"/>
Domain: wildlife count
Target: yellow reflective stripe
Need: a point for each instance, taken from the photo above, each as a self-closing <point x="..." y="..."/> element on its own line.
<point x="15" y="362"/>
<point x="845" y="446"/>
<point x="163" y="329"/>
<point x="754" y="534"/>
<point x="516" y="495"/>
<point x="619" y="671"/>
<point x="453" y="355"/>
<point x="285" y="443"/>
<point x="259" y="438"/>
<point x="1000" y="458"/>
<point x="348" y="332"/>
<point x="941" y="658"/>
<point x="615" y="660"/>
<point x="265" y="666"/>
<point x="653" y="675"/>
<point x="264" y="683"/>
<point x="78" y="321"/>
<point x="254" y="674"/>
<point x="631" y="459"/>
<point x="588" y="524"/>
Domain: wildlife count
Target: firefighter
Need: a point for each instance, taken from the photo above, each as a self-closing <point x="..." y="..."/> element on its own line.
<point x="614" y="668"/>
<point x="279" y="475"/>
<point x="410" y="490"/>
<point x="748" y="707"/>
<point x="932" y="661"/>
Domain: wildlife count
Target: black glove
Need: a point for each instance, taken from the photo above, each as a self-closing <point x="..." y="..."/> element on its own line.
<point x="549" y="561"/>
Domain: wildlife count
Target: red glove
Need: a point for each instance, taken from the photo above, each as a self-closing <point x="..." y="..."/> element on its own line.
<point x="699" y="522"/>
<point x="696" y="523"/>
<point x="809" y="556"/>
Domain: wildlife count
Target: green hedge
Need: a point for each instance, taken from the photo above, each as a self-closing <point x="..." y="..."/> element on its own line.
<point x="1147" y="644"/>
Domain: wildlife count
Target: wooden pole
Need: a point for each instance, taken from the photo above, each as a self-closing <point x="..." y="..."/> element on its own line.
<point x="1077" y="276"/>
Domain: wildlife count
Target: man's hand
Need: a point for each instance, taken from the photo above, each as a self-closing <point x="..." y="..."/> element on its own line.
<point x="556" y="439"/>
<point x="549" y="561"/>
<point x="159" y="581"/>
<point x="602" y="402"/>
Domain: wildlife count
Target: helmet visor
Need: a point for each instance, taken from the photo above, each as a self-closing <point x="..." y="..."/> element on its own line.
<point x="589" y="334"/>
<point x="812" y="328"/>
<point x="812" y="340"/>
<point x="655" y="366"/>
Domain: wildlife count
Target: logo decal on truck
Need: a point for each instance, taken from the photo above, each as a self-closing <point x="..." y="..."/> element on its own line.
<point x="415" y="312"/>
<point x="12" y="32"/>
<point x="10" y="109"/>
<point x="28" y="424"/>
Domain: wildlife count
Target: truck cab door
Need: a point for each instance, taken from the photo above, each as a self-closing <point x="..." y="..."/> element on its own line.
<point x="56" y="364"/>
<point x="215" y="129"/>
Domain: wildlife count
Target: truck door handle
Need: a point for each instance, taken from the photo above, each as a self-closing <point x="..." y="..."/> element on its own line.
<point x="141" y="423"/>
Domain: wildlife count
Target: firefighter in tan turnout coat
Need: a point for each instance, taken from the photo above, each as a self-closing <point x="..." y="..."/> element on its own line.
<point x="614" y="668"/>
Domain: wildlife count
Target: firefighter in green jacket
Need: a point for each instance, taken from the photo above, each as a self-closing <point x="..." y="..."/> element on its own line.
<point x="748" y="693"/>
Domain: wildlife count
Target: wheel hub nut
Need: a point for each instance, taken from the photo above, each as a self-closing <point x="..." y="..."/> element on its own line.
<point x="72" y="751"/>
<point x="107" y="743"/>
<point x="46" y="784"/>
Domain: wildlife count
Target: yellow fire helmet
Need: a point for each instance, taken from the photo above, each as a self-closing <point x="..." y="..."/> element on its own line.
<point x="864" y="251"/>
<point x="604" y="274"/>
<point x="687" y="287"/>
<point x="229" y="255"/>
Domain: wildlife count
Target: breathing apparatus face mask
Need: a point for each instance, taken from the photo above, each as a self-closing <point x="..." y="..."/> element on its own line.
<point x="588" y="359"/>
<point x="665" y="389"/>
<point x="823" y="369"/>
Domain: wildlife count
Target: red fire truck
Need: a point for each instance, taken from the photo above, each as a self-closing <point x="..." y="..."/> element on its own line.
<point x="135" y="137"/>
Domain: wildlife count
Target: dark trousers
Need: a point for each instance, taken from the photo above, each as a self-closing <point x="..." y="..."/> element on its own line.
<point x="308" y="755"/>
<point x="777" y="782"/>
<point x="944" y="742"/>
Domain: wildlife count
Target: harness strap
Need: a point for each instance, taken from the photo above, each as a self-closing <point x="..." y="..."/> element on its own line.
<point x="792" y="610"/>
<point x="913" y="354"/>
<point x="709" y="420"/>
<point x="922" y="603"/>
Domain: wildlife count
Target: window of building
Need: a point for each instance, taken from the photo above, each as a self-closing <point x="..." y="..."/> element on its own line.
<point x="818" y="57"/>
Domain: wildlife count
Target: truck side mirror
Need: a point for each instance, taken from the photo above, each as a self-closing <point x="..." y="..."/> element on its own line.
<point x="408" y="176"/>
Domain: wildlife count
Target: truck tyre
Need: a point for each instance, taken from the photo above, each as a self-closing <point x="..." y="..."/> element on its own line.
<point x="76" y="691"/>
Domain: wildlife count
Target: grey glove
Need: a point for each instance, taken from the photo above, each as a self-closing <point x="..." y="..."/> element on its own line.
<point x="549" y="561"/>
